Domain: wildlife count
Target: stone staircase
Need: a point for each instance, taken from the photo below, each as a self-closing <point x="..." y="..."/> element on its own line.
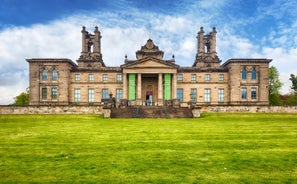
<point x="151" y="112"/>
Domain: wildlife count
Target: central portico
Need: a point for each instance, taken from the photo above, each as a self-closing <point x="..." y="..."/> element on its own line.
<point x="149" y="80"/>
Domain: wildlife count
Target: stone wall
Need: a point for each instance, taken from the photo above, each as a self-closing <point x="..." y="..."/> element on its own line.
<point x="51" y="109"/>
<point x="250" y="109"/>
<point x="99" y="109"/>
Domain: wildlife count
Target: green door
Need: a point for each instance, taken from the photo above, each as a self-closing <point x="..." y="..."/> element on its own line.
<point x="167" y="86"/>
<point x="132" y="86"/>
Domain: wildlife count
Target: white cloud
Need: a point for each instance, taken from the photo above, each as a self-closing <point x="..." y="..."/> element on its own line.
<point x="20" y="43"/>
<point x="286" y="63"/>
<point x="187" y="50"/>
<point x="230" y="45"/>
<point x="117" y="42"/>
<point x="121" y="35"/>
<point x="12" y="84"/>
<point x="172" y="25"/>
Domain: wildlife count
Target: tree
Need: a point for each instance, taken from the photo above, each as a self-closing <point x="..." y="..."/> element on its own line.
<point x="274" y="86"/>
<point x="22" y="99"/>
<point x="293" y="78"/>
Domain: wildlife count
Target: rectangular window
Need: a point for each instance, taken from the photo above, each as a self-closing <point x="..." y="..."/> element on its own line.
<point x="44" y="93"/>
<point x="104" y="77"/>
<point x="77" y="77"/>
<point x="76" y="95"/>
<point x="179" y="77"/>
<point x="105" y="93"/>
<point x="206" y="95"/>
<point x="221" y="77"/>
<point x="91" y="95"/>
<point x="207" y="77"/>
<point x="91" y="77"/>
<point x="243" y="93"/>
<point x="180" y="94"/>
<point x="221" y="95"/>
<point x="253" y="93"/>
<point x="193" y="94"/>
<point x="54" y="93"/>
<point x="193" y="78"/>
<point x="119" y="77"/>
<point x="119" y="93"/>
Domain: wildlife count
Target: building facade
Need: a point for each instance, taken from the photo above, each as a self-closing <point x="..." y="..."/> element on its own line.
<point x="149" y="79"/>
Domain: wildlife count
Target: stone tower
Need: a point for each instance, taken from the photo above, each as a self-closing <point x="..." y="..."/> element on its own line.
<point x="91" y="56"/>
<point x="206" y="56"/>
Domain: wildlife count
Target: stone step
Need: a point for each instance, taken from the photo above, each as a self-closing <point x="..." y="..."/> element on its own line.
<point x="151" y="112"/>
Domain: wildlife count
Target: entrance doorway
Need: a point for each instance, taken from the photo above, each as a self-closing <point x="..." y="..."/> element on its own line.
<point x="149" y="98"/>
<point x="149" y="89"/>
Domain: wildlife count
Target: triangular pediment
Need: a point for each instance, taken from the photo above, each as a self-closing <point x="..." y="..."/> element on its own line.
<point x="149" y="63"/>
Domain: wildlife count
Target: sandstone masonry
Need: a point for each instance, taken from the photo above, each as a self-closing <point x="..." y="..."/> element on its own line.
<point x="65" y="109"/>
<point x="149" y="79"/>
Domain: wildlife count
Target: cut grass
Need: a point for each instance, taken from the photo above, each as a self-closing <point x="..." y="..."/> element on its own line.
<point x="216" y="148"/>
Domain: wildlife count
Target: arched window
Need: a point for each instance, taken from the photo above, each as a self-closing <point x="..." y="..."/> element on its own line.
<point x="90" y="46"/>
<point x="243" y="74"/>
<point x="44" y="74"/>
<point x="254" y="74"/>
<point x="54" y="75"/>
<point x="207" y="47"/>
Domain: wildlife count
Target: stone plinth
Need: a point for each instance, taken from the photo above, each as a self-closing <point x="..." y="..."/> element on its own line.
<point x="106" y="113"/>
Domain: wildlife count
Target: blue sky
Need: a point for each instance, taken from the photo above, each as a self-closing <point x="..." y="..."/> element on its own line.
<point x="51" y="28"/>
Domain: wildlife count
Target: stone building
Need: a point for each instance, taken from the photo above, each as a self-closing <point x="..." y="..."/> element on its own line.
<point x="149" y="79"/>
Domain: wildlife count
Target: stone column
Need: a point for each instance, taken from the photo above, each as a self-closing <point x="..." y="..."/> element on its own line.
<point x="174" y="86"/>
<point x="138" y="97"/>
<point x="160" y="89"/>
<point x="97" y="44"/>
<point x="213" y="42"/>
<point x="200" y="41"/>
<point x="124" y="86"/>
<point x="84" y="48"/>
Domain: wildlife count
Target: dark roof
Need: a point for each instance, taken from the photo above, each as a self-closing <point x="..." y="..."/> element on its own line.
<point x="196" y="69"/>
<point x="101" y="69"/>
<point x="52" y="60"/>
<point x="247" y="60"/>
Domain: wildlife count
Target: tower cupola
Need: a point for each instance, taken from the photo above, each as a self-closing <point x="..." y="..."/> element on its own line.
<point x="91" y="55"/>
<point x="206" y="55"/>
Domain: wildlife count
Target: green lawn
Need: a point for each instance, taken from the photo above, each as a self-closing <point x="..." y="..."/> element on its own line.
<point x="216" y="148"/>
